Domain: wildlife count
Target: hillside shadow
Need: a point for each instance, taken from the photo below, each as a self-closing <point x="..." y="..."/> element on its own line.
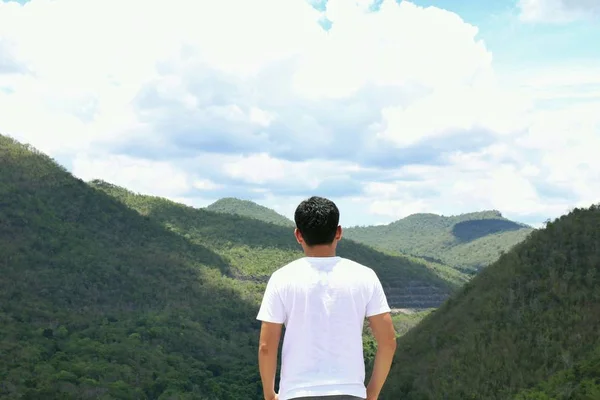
<point x="467" y="231"/>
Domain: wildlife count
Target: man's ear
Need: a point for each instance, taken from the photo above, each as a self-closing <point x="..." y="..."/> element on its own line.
<point x="338" y="234"/>
<point x="298" y="236"/>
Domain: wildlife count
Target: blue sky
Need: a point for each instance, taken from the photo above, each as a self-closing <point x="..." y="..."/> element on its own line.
<point x="389" y="108"/>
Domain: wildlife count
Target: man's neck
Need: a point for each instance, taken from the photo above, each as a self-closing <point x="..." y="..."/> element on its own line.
<point x="320" y="251"/>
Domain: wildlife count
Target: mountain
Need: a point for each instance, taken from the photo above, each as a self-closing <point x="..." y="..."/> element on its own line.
<point x="109" y="294"/>
<point x="246" y="208"/>
<point x="254" y="249"/>
<point x="467" y="242"/>
<point x="526" y="327"/>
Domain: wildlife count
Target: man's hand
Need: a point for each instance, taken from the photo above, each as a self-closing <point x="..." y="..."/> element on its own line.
<point x="371" y="396"/>
<point x="272" y="396"/>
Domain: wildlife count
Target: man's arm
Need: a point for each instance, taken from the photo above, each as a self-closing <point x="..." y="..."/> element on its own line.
<point x="380" y="320"/>
<point x="270" y="335"/>
<point x="385" y="336"/>
<point x="272" y="314"/>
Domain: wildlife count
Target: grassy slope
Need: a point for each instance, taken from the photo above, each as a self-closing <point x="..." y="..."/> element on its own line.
<point x="467" y="242"/>
<point x="531" y="318"/>
<point x="250" y="209"/>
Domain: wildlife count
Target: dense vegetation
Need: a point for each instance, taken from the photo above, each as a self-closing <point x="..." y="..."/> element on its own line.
<point x="99" y="302"/>
<point x="526" y="327"/>
<point x="106" y="294"/>
<point x="581" y="381"/>
<point x="246" y="208"/>
<point x="467" y="242"/>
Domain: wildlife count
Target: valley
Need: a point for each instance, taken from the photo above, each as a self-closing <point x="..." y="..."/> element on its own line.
<point x="109" y="294"/>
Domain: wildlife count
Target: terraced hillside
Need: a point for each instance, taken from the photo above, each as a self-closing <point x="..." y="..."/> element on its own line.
<point x="413" y="294"/>
<point x="467" y="242"/>
<point x="526" y="327"/>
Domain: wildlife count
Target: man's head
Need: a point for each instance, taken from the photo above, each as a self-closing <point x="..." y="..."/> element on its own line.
<point x="317" y="222"/>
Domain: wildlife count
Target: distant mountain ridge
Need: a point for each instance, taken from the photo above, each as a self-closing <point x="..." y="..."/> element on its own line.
<point x="247" y="208"/>
<point x="468" y="241"/>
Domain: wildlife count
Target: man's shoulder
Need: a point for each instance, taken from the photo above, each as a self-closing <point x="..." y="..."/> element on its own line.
<point x="294" y="267"/>
<point x="357" y="267"/>
<point x="287" y="268"/>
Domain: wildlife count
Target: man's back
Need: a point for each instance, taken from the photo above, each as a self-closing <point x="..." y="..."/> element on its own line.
<point x="323" y="302"/>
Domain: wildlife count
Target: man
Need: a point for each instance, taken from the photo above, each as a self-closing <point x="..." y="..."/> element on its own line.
<point x="323" y="300"/>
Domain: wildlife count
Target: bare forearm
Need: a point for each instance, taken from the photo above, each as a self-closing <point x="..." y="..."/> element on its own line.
<point x="381" y="369"/>
<point x="267" y="363"/>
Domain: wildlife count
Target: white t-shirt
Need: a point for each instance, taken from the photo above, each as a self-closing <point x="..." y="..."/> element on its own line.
<point x="323" y="302"/>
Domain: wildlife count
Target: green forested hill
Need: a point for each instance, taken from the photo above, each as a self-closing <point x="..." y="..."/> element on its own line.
<point x="467" y="242"/>
<point x="105" y="294"/>
<point x="99" y="302"/>
<point x="526" y="327"/>
<point x="250" y="209"/>
<point x="254" y="249"/>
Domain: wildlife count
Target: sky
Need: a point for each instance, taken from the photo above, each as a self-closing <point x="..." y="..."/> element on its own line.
<point x="389" y="107"/>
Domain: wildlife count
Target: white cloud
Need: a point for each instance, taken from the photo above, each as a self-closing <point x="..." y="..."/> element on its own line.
<point x="558" y="11"/>
<point x="257" y="169"/>
<point x="206" y="184"/>
<point x="138" y="175"/>
<point x="498" y="177"/>
<point x="399" y="45"/>
<point x="260" y="117"/>
<point x="565" y="85"/>
<point x="89" y="79"/>
<point x="266" y="170"/>
<point x="568" y="140"/>
<point x="398" y="208"/>
<point x="487" y="109"/>
<point x="255" y="99"/>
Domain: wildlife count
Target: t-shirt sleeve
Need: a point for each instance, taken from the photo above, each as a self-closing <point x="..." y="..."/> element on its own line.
<point x="378" y="303"/>
<point x="272" y="308"/>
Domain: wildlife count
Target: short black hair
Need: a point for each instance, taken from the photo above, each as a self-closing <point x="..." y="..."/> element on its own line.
<point x="317" y="219"/>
